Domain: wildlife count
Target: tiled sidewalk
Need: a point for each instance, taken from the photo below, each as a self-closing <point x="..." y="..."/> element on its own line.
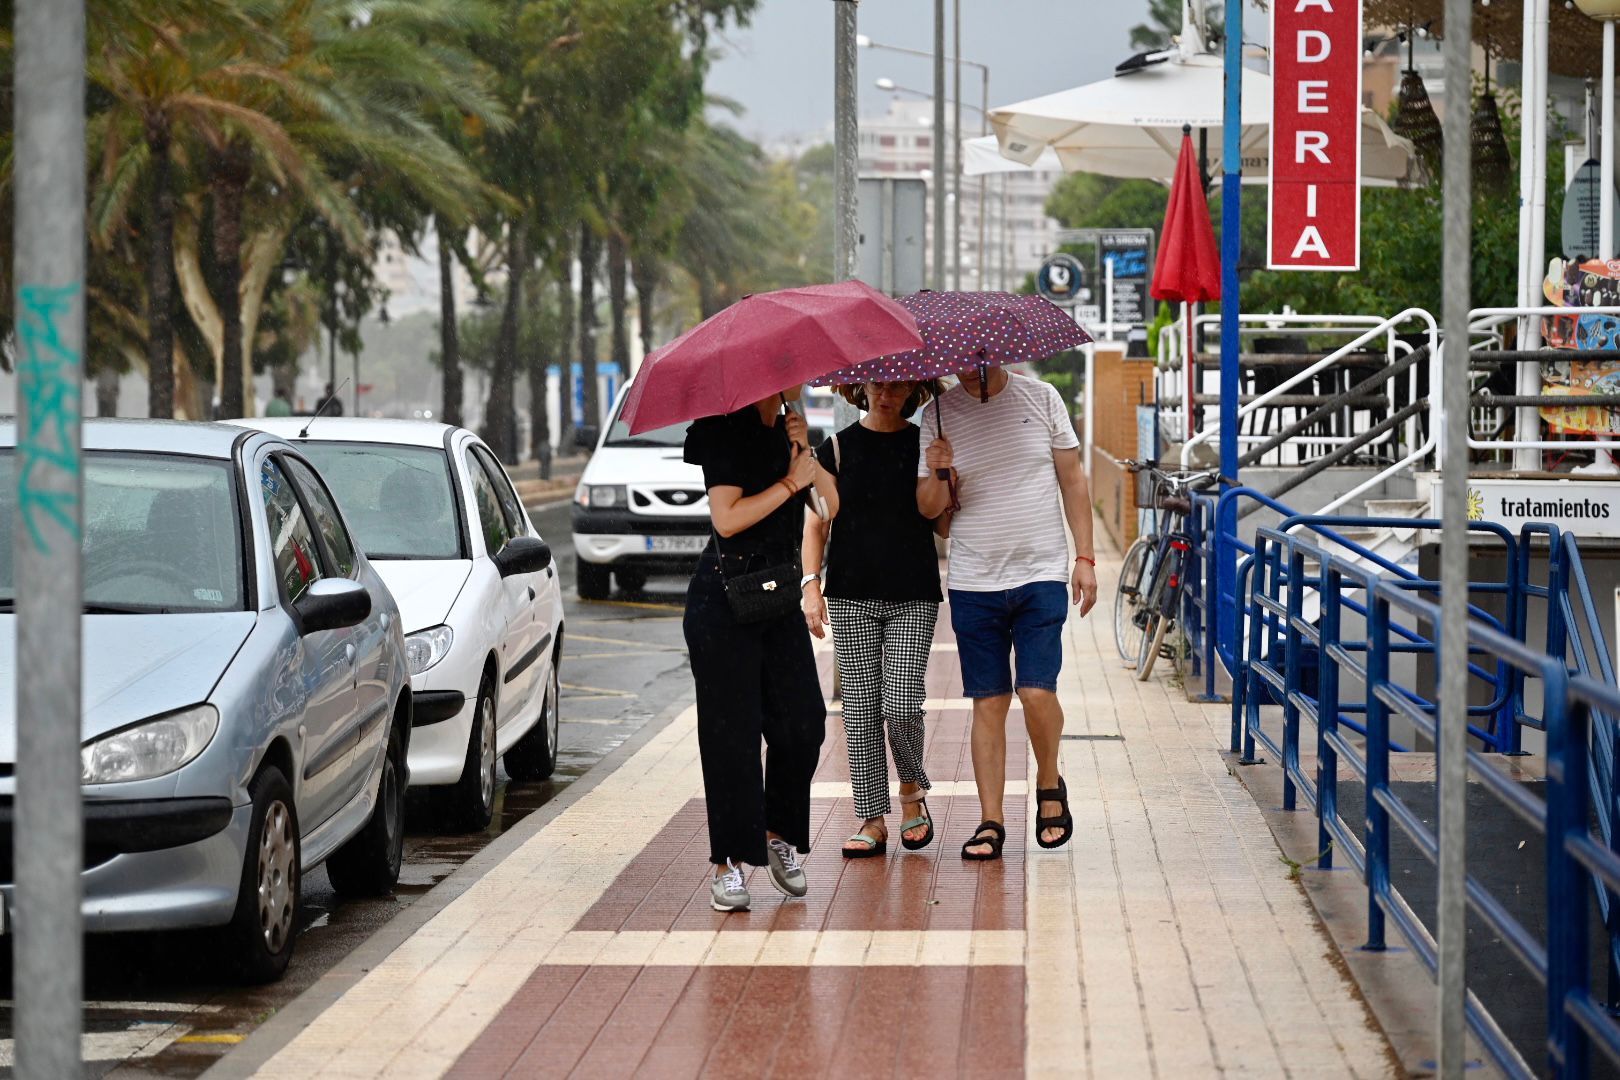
<point x="1166" y="940"/>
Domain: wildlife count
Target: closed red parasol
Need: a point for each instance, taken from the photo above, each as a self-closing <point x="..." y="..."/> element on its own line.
<point x="1189" y="264"/>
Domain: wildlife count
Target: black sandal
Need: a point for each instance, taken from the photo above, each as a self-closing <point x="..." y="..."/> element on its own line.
<point x="995" y="838"/>
<point x="1064" y="821"/>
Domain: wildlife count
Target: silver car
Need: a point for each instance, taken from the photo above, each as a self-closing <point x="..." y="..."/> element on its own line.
<point x="247" y="711"/>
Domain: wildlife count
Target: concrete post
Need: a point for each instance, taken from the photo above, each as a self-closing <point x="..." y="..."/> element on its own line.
<point x="941" y="231"/>
<point x="49" y="270"/>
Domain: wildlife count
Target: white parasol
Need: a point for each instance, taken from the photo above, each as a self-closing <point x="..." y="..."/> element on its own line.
<point x="1130" y="125"/>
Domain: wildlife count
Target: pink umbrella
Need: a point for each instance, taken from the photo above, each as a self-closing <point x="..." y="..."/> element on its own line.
<point x="762" y="345"/>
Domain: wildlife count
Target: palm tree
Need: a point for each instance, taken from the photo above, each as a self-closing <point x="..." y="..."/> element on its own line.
<point x="158" y="81"/>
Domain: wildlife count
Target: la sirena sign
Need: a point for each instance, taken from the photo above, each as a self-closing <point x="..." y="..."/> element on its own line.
<point x="1314" y="198"/>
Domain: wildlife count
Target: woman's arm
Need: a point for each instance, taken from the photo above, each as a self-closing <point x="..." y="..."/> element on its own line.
<point x="733" y="513"/>
<point x="813" y="549"/>
<point x="827" y="487"/>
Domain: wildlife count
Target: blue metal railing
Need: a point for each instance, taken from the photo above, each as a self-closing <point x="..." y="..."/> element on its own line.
<point x="1363" y="631"/>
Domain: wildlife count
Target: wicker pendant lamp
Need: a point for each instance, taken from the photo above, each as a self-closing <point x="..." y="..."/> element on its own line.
<point x="1415" y="120"/>
<point x="1493" y="165"/>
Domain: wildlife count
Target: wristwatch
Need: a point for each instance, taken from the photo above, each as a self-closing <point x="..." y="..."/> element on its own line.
<point x="807" y="579"/>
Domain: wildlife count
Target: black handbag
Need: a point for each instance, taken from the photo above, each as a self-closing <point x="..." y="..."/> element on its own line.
<point x="763" y="594"/>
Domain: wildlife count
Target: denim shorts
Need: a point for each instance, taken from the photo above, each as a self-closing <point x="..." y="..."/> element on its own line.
<point x="992" y="627"/>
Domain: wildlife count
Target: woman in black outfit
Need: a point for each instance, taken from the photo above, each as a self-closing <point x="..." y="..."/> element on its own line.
<point x="755" y="679"/>
<point x="882" y="595"/>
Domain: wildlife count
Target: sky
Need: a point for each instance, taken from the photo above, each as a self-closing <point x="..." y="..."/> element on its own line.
<point x="780" y="69"/>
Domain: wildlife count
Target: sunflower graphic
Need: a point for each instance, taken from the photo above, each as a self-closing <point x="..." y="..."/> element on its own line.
<point x="1476" y="505"/>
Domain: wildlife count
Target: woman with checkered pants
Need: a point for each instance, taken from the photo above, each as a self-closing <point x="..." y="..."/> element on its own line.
<point x="882" y="599"/>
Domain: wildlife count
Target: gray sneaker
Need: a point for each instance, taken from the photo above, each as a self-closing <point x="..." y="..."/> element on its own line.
<point x="726" y="891"/>
<point x="786" y="873"/>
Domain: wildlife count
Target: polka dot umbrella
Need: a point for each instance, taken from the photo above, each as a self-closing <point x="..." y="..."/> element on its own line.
<point x="961" y="330"/>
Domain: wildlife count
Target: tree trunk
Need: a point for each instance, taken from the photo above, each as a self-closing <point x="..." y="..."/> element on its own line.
<point x="644" y="271"/>
<point x="160" y="276"/>
<point x="231" y="170"/>
<point x="449" y="346"/>
<point x="618" y="256"/>
<point x="565" y="354"/>
<point x="539" y="421"/>
<point x="107" y="392"/>
<point x="500" y="420"/>
<point x="587" y="325"/>
<point x="709" y="303"/>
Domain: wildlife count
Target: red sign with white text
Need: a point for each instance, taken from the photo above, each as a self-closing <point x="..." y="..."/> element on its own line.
<point x="1315" y="189"/>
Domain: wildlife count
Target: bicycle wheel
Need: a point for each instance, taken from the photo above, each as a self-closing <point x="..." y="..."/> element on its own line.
<point x="1152" y="645"/>
<point x="1160" y="602"/>
<point x="1134" y="577"/>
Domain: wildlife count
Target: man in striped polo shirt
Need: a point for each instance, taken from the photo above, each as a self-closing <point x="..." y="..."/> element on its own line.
<point x="1015" y="465"/>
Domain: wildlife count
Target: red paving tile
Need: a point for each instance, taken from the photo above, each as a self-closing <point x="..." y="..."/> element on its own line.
<point x="928" y="889"/>
<point x="681" y="1022"/>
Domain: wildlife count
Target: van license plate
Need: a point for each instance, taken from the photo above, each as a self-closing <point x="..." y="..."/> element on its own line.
<point x="677" y="545"/>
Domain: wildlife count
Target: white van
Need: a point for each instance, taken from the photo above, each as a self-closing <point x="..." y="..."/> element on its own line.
<point x="639" y="509"/>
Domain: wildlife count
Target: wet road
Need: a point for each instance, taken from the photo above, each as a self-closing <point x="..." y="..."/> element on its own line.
<point x="157" y="1005"/>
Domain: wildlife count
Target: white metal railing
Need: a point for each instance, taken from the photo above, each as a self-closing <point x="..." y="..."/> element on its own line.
<point x="1320" y="324"/>
<point x="1170" y="381"/>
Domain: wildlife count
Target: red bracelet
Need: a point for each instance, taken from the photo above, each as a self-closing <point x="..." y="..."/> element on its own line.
<point x="1088" y="559"/>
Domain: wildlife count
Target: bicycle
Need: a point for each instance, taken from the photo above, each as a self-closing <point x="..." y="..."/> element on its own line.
<point x="1153" y="575"/>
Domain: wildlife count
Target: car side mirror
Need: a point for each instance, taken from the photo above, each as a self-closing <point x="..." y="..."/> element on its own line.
<point x="523" y="555"/>
<point x="585" y="436"/>
<point x="332" y="604"/>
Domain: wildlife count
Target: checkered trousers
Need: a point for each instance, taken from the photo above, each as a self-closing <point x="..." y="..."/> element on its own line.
<point x="882" y="649"/>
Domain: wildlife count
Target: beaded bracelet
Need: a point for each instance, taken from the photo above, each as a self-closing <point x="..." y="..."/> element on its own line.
<point x="1088" y="559"/>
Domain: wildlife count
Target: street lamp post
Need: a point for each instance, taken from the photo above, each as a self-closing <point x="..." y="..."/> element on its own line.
<point x="939" y="146"/>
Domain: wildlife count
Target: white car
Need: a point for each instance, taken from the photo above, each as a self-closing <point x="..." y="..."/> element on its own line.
<point x="477" y="591"/>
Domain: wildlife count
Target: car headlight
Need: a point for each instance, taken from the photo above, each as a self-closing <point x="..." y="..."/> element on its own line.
<point x="602" y="496"/>
<point x="425" y="648"/>
<point x="151" y="748"/>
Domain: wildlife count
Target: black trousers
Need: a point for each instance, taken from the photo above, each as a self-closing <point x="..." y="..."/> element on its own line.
<point x="755" y="680"/>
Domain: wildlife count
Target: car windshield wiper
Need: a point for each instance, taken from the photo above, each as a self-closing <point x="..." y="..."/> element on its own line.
<point x="123" y="609"/>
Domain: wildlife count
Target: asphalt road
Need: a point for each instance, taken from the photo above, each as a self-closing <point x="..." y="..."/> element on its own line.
<point x="158" y="1005"/>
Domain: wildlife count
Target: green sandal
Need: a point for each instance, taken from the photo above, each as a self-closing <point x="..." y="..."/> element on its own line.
<point x="924" y="818"/>
<point x="872" y="849"/>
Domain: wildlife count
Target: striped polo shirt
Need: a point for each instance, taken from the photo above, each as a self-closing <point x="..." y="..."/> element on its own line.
<point x="1010" y="530"/>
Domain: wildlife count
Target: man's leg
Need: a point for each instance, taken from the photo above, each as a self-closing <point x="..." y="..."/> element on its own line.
<point x="984" y="648"/>
<point x="990" y="758"/>
<point x="1043" y="719"/>
<point x="1039" y="612"/>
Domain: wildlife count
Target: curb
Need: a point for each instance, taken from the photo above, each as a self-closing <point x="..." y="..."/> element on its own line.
<point x="256" y="1051"/>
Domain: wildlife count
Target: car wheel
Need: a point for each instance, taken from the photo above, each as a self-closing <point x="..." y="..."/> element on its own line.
<point x="592" y="581"/>
<point x="259" y="937"/>
<point x="472" y="798"/>
<point x="534" y="757"/>
<point x="630" y="580"/>
<point x="368" y="865"/>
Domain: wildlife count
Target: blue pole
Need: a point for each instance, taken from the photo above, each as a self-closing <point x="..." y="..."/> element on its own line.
<point x="1231" y="237"/>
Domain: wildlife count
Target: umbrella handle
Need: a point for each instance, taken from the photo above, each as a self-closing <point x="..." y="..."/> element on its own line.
<point x="939" y="424"/>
